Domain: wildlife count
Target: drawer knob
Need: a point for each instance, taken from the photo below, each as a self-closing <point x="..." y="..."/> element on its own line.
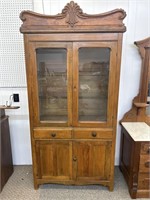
<point x="74" y="158"/>
<point x="94" y="134"/>
<point x="53" y="134"/>
<point x="147" y="164"/>
<point x="148" y="151"/>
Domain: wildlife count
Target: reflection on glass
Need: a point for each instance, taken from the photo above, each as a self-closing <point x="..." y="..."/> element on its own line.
<point x="52" y="84"/>
<point x="148" y="100"/>
<point x="93" y="83"/>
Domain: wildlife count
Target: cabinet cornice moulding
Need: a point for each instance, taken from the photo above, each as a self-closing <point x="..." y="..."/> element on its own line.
<point x="72" y="19"/>
<point x="142" y="44"/>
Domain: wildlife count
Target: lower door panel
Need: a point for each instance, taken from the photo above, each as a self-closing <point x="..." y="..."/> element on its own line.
<point x="54" y="159"/>
<point x="91" y="160"/>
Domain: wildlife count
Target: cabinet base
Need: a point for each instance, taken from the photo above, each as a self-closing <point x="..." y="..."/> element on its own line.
<point x="134" y="191"/>
<point x="77" y="183"/>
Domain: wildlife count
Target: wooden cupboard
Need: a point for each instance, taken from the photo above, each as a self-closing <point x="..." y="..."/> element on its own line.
<point x="73" y="66"/>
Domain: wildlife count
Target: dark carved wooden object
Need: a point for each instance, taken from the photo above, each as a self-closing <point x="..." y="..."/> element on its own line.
<point x="134" y="164"/>
<point x="138" y="110"/>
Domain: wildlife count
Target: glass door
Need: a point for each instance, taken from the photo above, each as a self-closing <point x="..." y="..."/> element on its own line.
<point x="93" y="83"/>
<point x="54" y="81"/>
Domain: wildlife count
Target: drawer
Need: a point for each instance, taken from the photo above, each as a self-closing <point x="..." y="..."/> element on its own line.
<point x="144" y="181"/>
<point x="52" y="133"/>
<point x="92" y="133"/>
<point x="144" y="163"/>
<point x="145" y="148"/>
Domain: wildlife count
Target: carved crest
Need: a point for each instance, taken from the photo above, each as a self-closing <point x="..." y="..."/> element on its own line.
<point x="73" y="19"/>
<point x="72" y="10"/>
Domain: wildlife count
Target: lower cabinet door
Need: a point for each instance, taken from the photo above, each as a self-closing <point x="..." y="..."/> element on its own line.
<point x="91" y="160"/>
<point x="54" y="160"/>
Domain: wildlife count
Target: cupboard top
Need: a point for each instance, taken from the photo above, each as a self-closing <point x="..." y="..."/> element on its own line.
<point x="72" y="19"/>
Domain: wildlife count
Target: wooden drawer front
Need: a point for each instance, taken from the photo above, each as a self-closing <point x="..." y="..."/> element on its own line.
<point x="92" y="134"/>
<point x="145" y="148"/>
<point x="144" y="163"/>
<point x="144" y="181"/>
<point x="52" y="134"/>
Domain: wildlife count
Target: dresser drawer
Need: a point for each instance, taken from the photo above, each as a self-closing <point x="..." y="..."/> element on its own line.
<point x="52" y="133"/>
<point x="145" y="148"/>
<point x="144" y="181"/>
<point x="144" y="163"/>
<point x="92" y="133"/>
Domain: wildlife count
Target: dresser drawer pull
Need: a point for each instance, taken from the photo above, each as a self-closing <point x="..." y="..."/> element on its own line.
<point x="94" y="134"/>
<point x="53" y="134"/>
<point x="148" y="151"/>
<point x="147" y="164"/>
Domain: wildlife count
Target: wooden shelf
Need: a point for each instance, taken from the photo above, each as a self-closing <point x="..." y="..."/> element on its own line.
<point x="9" y="107"/>
<point x="141" y="105"/>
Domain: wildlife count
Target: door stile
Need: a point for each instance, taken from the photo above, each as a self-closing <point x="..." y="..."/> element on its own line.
<point x="34" y="85"/>
<point x="70" y="158"/>
<point x="70" y="83"/>
<point x="75" y="84"/>
<point x="74" y="160"/>
<point x="112" y="84"/>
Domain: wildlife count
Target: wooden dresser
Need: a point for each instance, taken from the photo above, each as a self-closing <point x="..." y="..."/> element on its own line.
<point x="135" y="136"/>
<point x="6" y="165"/>
<point x="135" y="158"/>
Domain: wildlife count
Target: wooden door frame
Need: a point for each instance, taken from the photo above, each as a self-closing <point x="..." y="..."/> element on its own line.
<point x="111" y="96"/>
<point x="33" y="45"/>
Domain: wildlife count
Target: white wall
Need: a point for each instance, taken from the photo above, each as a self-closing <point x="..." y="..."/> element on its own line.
<point x="19" y="125"/>
<point x="138" y="28"/>
<point x="12" y="77"/>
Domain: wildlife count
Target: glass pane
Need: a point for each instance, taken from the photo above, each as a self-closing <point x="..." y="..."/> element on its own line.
<point x="52" y="84"/>
<point x="93" y="83"/>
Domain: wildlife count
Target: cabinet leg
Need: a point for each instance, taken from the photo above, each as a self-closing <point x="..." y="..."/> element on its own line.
<point x="111" y="187"/>
<point x="36" y="186"/>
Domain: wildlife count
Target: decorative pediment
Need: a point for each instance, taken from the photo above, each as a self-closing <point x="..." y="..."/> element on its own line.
<point x="72" y="11"/>
<point x="138" y="111"/>
<point x="142" y="44"/>
<point x="73" y="19"/>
